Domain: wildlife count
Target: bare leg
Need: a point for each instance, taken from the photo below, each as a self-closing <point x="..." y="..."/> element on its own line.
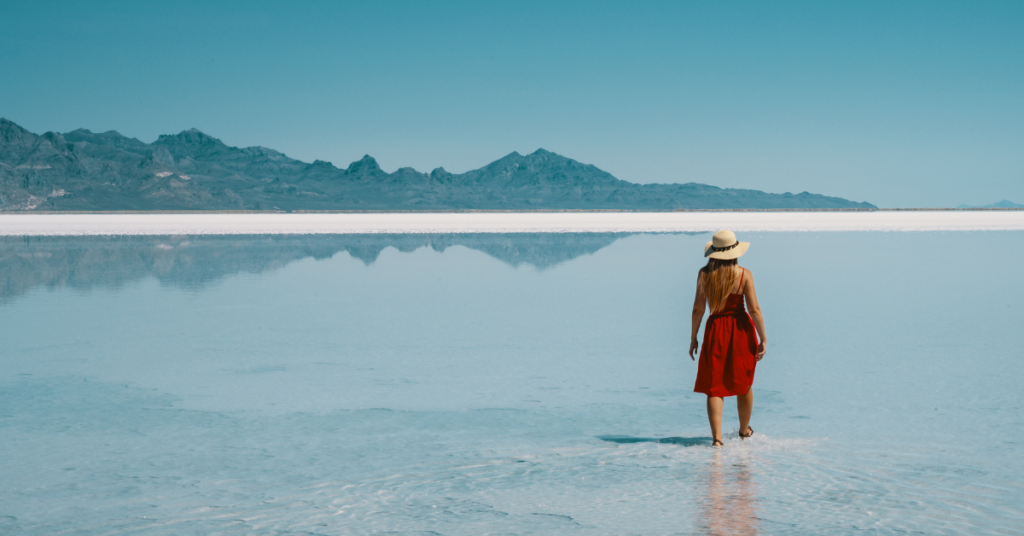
<point x="715" y="416"/>
<point x="745" y="407"/>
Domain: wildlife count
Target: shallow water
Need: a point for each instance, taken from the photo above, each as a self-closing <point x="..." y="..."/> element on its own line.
<point x="503" y="384"/>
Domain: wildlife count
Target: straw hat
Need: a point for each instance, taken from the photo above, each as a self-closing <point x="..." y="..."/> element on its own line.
<point x="724" y="246"/>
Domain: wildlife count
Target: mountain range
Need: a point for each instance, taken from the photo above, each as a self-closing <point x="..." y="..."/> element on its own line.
<point x="1001" y="204"/>
<point x="86" y="171"/>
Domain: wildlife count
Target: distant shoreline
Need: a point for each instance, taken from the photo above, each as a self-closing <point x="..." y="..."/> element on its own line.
<point x="449" y="222"/>
<point x="511" y="211"/>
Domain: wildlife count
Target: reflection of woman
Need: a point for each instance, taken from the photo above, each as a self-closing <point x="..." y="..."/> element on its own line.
<point x="730" y="506"/>
<point x="730" y="352"/>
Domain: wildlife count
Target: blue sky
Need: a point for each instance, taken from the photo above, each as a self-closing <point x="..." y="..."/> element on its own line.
<point x="897" y="103"/>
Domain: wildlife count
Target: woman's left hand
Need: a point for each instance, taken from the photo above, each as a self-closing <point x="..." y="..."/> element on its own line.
<point x="761" y="349"/>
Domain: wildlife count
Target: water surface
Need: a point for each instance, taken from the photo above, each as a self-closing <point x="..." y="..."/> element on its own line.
<point x="469" y="384"/>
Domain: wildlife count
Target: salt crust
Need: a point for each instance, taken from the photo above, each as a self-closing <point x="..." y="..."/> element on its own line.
<point x="503" y="222"/>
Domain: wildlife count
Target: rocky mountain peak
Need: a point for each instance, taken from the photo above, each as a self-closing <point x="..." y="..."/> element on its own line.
<point x="56" y="138"/>
<point x="110" y="137"/>
<point x="550" y="158"/>
<point x="81" y="132"/>
<point x="440" y="175"/>
<point x="366" y="164"/>
<point x="191" y="136"/>
<point x="192" y="143"/>
<point x="11" y="132"/>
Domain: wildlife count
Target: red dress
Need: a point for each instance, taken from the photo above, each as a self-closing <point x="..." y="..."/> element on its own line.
<point x="728" y="357"/>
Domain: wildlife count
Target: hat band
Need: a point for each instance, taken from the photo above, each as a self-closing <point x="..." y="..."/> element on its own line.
<point x="725" y="248"/>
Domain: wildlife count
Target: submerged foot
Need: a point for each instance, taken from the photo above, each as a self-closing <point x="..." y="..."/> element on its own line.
<point x="717" y="443"/>
<point x="750" y="432"/>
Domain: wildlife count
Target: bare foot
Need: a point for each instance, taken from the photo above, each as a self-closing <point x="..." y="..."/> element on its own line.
<point x="750" y="432"/>
<point x="717" y="443"/>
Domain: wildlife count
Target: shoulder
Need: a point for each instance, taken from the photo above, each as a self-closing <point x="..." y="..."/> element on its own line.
<point x="748" y="276"/>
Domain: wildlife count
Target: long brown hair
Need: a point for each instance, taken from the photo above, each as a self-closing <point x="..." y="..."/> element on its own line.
<point x="717" y="279"/>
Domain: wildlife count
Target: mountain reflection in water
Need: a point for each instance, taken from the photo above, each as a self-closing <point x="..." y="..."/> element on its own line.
<point x="195" y="261"/>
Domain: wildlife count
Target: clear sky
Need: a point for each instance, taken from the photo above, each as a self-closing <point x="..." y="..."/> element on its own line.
<point x="896" y="103"/>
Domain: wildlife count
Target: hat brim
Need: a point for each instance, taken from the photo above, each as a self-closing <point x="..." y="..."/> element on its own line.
<point x="726" y="255"/>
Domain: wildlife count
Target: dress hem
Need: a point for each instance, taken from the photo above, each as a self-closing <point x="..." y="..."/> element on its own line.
<point x="725" y="396"/>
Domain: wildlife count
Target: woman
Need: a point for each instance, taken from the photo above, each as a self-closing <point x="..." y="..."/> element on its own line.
<point x="731" y="349"/>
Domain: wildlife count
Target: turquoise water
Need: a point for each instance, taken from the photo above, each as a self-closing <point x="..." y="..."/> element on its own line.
<point x="503" y="384"/>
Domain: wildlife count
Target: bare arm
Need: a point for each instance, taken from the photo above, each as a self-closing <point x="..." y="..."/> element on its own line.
<point x="699" y="304"/>
<point x="755" y="313"/>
